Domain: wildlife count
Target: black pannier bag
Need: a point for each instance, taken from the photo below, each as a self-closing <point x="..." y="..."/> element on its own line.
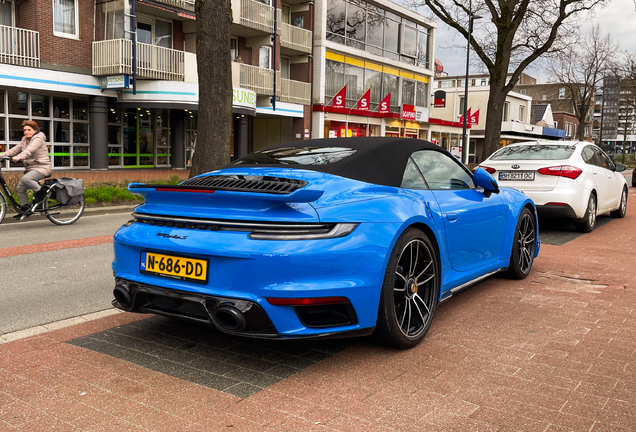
<point x="67" y="190"/>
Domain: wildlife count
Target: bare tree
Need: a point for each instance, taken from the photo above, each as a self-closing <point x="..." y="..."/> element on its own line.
<point x="580" y="68"/>
<point x="215" y="85"/>
<point x="513" y="34"/>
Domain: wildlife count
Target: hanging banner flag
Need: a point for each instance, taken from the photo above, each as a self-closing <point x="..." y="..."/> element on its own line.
<point x="385" y="105"/>
<point x="461" y="118"/>
<point x="364" y="103"/>
<point x="473" y="119"/>
<point x="440" y="99"/>
<point x="339" y="99"/>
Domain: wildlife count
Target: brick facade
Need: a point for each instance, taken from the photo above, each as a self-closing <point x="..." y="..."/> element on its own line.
<point x="549" y="93"/>
<point x="37" y="15"/>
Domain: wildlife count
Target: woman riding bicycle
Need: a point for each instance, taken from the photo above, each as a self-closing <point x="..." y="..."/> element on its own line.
<point x="32" y="151"/>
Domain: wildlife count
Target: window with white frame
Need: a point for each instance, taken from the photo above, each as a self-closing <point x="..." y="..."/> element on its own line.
<point x="6" y="14"/>
<point x="65" y="18"/>
<point x="233" y="49"/>
<point x="522" y="91"/>
<point x="264" y="57"/>
<point x="522" y="113"/>
<point x="562" y="93"/>
<point x="506" y="112"/>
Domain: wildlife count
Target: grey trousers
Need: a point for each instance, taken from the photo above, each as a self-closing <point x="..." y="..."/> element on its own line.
<point x="29" y="181"/>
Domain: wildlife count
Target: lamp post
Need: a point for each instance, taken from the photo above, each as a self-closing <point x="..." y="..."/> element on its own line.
<point x="470" y="32"/>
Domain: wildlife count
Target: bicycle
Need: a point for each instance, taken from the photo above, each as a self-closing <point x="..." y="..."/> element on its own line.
<point x="54" y="211"/>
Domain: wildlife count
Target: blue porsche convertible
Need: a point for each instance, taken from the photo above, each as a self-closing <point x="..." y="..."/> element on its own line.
<point x="322" y="238"/>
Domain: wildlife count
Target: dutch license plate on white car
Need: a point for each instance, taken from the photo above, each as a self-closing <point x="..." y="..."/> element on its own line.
<point x="516" y="175"/>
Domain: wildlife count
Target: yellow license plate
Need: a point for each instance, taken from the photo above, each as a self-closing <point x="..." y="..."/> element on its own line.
<point x="177" y="267"/>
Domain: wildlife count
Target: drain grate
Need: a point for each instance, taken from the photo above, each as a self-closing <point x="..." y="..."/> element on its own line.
<point x="201" y="354"/>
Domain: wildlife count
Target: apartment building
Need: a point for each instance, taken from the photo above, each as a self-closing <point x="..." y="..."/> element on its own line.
<point x="68" y="64"/>
<point x="373" y="70"/>
<point x="560" y="98"/>
<point x="517" y="123"/>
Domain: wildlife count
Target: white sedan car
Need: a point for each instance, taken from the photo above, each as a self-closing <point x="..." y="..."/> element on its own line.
<point x="569" y="179"/>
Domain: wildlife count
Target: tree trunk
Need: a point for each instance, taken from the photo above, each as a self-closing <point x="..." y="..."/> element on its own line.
<point x="496" y="100"/>
<point x="214" y="128"/>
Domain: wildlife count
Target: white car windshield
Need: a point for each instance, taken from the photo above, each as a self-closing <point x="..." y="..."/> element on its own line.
<point x="534" y="152"/>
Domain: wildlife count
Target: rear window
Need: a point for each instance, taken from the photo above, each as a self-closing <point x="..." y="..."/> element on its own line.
<point x="297" y="156"/>
<point x="534" y="152"/>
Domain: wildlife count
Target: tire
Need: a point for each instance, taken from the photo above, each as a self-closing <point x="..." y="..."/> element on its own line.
<point x="589" y="219"/>
<point x="3" y="207"/>
<point x="523" y="246"/>
<point x="63" y="214"/>
<point x="407" y="306"/>
<point x="622" y="207"/>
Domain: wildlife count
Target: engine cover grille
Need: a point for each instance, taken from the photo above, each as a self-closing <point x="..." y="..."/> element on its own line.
<point x="240" y="183"/>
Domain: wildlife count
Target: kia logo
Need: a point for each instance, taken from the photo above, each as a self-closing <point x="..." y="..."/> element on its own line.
<point x="515" y="166"/>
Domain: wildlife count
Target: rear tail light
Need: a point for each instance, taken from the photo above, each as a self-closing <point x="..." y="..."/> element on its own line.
<point x="568" y="171"/>
<point x="311" y="301"/>
<point x="490" y="170"/>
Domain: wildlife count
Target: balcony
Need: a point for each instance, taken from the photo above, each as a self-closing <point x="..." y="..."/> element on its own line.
<point x="261" y="81"/>
<point x="113" y="57"/>
<point x="294" y="38"/>
<point x="19" y="47"/>
<point x="181" y="4"/>
<point x="252" y="18"/>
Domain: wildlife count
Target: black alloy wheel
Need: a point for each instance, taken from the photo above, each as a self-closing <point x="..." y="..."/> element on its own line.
<point x="523" y="246"/>
<point x="410" y="291"/>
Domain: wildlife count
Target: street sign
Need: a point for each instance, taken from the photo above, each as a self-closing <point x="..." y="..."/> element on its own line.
<point x="114" y="82"/>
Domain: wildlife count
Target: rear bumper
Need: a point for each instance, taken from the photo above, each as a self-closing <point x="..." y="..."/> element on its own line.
<point x="230" y="315"/>
<point x="556" y="211"/>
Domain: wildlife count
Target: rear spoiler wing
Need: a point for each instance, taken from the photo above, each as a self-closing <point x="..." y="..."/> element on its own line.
<point x="297" y="196"/>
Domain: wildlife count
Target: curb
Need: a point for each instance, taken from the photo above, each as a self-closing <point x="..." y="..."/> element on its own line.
<point x="33" y="331"/>
<point x="88" y="211"/>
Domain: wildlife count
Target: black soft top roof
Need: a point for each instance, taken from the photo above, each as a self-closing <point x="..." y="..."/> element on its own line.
<point x="377" y="160"/>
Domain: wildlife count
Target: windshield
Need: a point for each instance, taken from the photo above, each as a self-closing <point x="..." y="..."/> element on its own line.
<point x="297" y="156"/>
<point x="534" y="152"/>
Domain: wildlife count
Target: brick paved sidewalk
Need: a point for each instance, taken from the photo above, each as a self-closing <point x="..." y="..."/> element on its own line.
<point x="554" y="352"/>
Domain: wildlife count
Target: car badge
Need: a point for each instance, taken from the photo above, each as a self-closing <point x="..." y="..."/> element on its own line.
<point x="515" y="166"/>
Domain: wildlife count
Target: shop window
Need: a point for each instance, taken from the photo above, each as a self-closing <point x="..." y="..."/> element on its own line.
<point x="163" y="137"/>
<point x="61" y="108"/>
<point x="354" y="78"/>
<point x="392" y="131"/>
<point x="80" y="109"/>
<point x="39" y="105"/>
<point x="61" y="132"/>
<point x="408" y="92"/>
<point x="18" y="102"/>
<point x="65" y="18"/>
<point x="422" y="97"/>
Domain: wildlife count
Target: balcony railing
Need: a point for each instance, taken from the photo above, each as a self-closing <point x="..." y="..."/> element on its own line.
<point x="294" y="91"/>
<point x="257" y="15"/>
<point x="295" y="38"/>
<point x="183" y="4"/>
<point x="260" y="80"/>
<point x="112" y="57"/>
<point x="19" y="46"/>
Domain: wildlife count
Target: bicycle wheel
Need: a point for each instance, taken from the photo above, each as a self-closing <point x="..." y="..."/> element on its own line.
<point x="62" y="214"/>
<point x="3" y="207"/>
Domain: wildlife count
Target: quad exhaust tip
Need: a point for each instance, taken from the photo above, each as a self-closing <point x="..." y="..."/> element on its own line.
<point x="122" y="295"/>
<point x="229" y="318"/>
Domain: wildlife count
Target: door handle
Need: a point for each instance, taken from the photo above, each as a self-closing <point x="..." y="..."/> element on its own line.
<point x="452" y="216"/>
<point x="593" y="172"/>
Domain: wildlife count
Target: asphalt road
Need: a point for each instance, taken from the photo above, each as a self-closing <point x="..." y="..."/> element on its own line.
<point x="41" y="288"/>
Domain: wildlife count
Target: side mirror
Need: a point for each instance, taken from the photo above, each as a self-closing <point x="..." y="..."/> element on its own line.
<point x="620" y="167"/>
<point x="485" y="181"/>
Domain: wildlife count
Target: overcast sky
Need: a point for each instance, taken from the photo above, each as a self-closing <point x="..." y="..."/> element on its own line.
<point x="618" y="18"/>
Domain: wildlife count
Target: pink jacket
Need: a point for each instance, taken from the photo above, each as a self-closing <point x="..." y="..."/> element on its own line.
<point x="33" y="153"/>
